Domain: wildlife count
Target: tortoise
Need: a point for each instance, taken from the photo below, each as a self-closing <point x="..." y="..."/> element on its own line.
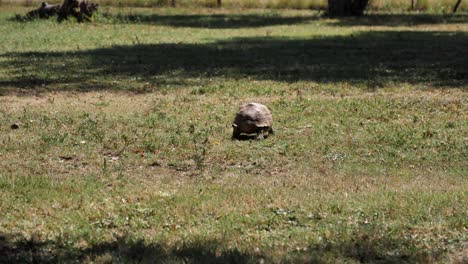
<point x="252" y="118"/>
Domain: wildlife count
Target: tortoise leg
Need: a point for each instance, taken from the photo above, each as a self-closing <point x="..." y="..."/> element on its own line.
<point x="260" y="135"/>
<point x="235" y="132"/>
<point x="267" y="131"/>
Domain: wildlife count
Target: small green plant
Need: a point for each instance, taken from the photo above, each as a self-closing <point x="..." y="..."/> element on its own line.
<point x="199" y="136"/>
<point x="90" y="128"/>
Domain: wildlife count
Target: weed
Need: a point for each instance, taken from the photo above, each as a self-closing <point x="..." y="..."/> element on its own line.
<point x="199" y="135"/>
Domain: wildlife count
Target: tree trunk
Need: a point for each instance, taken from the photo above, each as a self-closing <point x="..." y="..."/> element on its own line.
<point x="347" y="7"/>
<point x="219" y="3"/>
<point x="173" y="3"/>
<point x="456" y="6"/>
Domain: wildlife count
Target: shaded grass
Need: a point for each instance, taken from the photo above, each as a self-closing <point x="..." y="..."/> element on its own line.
<point x="256" y="20"/>
<point x="215" y="21"/>
<point x="127" y="249"/>
<point x="403" y="20"/>
<point x="367" y="60"/>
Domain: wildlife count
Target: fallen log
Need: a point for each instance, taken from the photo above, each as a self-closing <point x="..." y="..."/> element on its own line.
<point x="68" y="8"/>
<point x="45" y="11"/>
<point x="82" y="10"/>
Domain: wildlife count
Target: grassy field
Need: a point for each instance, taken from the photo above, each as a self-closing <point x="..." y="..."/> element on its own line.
<point x="124" y="152"/>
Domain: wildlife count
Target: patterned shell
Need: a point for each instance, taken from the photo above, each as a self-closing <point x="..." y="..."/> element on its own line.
<point x="252" y="116"/>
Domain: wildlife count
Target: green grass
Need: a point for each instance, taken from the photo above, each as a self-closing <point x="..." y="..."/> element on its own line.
<point x="123" y="152"/>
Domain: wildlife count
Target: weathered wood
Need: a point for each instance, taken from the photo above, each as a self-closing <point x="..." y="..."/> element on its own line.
<point x="68" y="9"/>
<point x="82" y="11"/>
<point x="46" y="10"/>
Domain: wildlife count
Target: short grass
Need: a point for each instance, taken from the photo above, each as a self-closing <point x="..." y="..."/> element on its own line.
<point x="123" y="152"/>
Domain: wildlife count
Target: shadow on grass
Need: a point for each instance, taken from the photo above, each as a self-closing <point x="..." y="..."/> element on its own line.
<point x="218" y="21"/>
<point x="397" y="20"/>
<point x="15" y="249"/>
<point x="369" y="60"/>
<point x="231" y="21"/>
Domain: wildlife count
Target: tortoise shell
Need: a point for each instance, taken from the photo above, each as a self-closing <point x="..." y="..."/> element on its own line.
<point x="252" y="118"/>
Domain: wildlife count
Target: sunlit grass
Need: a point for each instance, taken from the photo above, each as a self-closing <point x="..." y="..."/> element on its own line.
<point x="124" y="149"/>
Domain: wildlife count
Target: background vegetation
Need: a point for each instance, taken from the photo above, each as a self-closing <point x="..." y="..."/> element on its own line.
<point x="376" y="5"/>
